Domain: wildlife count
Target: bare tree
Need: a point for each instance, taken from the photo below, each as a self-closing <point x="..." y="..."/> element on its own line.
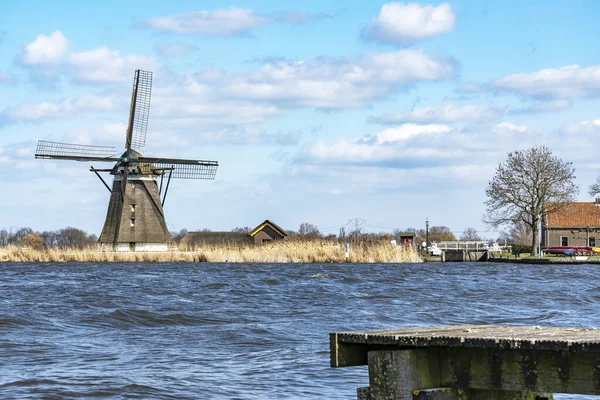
<point x="16" y="237"/>
<point x="308" y="230"/>
<point x="594" y="188"/>
<point x="244" y="229"/>
<point x="441" y="234"/>
<point x="177" y="236"/>
<point x="70" y="237"/>
<point x="518" y="233"/>
<point x="529" y="183"/>
<point x="470" y="235"/>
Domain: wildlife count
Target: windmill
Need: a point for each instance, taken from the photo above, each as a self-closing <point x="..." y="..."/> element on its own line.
<point x="135" y="219"/>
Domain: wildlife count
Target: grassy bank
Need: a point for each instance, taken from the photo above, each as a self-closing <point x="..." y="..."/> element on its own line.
<point x="277" y="252"/>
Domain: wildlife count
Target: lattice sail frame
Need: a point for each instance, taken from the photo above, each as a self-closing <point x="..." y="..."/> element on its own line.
<point x="47" y="150"/>
<point x="142" y="90"/>
<point x="207" y="170"/>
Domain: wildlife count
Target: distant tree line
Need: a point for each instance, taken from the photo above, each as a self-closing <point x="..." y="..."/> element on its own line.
<point x="68" y="237"/>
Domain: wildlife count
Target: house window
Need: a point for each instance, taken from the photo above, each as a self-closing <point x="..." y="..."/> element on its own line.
<point x="132" y="222"/>
<point x="592" y="241"/>
<point x="564" y="240"/>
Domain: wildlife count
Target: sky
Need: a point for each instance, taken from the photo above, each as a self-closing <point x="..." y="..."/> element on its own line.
<point x="317" y="111"/>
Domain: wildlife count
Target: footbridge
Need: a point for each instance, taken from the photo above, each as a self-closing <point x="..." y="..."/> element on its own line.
<point x="467" y="250"/>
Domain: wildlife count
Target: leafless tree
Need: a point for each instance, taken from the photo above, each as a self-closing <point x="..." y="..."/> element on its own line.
<point x="470" y="234"/>
<point x="594" y="189"/>
<point x="441" y="234"/>
<point x="529" y="183"/>
<point x="308" y="230"/>
<point x="518" y="233"/>
<point x="244" y="229"/>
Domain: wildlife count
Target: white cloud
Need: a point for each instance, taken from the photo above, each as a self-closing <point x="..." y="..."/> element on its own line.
<point x="404" y="132"/>
<point x="45" y="50"/>
<point x="336" y="84"/>
<point x="445" y="112"/>
<point x="48" y="58"/>
<point x="105" y="65"/>
<point x="226" y="22"/>
<point x="509" y="126"/>
<point x="47" y="110"/>
<point x="106" y="134"/>
<point x="565" y="82"/>
<point x="405" y="23"/>
<point x="543" y="106"/>
<point x="582" y="128"/>
<point x="388" y="145"/>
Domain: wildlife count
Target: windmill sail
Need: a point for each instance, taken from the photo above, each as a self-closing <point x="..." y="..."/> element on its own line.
<point x="139" y="111"/>
<point x="181" y="169"/>
<point x="76" y="152"/>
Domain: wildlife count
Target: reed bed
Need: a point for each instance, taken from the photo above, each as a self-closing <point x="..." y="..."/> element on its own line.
<point x="277" y="252"/>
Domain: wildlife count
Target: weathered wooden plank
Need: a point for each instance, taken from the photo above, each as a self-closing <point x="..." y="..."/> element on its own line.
<point x="481" y="336"/>
<point x="541" y="371"/>
<point x="346" y="354"/>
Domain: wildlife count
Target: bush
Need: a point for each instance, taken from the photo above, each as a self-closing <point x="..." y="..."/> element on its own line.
<point x="521" y="249"/>
<point x="33" y="241"/>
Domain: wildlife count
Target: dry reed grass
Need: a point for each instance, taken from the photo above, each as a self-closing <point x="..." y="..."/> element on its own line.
<point x="277" y="252"/>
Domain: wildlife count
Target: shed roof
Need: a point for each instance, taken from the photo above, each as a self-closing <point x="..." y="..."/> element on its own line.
<point x="574" y="214"/>
<point x="272" y="224"/>
<point x="406" y="234"/>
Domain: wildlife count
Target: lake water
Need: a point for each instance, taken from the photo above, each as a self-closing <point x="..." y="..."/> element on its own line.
<point x="248" y="331"/>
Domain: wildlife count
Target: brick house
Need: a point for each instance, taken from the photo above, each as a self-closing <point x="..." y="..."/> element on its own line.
<point x="574" y="224"/>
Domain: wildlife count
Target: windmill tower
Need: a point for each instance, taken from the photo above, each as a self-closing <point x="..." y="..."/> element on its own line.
<point x="135" y="219"/>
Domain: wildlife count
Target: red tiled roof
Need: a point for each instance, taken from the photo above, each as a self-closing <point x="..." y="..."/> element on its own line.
<point x="574" y="214"/>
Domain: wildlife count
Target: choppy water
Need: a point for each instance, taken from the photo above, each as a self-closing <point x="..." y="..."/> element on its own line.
<point x="247" y="331"/>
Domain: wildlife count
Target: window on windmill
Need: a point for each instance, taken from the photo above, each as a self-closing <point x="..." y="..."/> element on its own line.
<point x="132" y="222"/>
<point x="133" y="208"/>
<point x="133" y="185"/>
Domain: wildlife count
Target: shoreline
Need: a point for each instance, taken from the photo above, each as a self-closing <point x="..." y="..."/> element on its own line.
<point x="278" y="252"/>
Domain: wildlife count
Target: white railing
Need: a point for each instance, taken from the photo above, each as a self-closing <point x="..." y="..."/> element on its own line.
<point x="470" y="245"/>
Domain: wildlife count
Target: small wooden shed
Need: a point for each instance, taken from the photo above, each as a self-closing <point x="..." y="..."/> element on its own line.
<point x="406" y="238"/>
<point x="266" y="232"/>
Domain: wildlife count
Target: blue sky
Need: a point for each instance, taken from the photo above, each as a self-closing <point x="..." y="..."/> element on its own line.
<point x="318" y="111"/>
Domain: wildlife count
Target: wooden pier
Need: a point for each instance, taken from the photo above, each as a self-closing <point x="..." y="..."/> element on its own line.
<point x="472" y="362"/>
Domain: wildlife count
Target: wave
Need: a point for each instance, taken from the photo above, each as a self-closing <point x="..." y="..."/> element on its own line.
<point x="13" y="321"/>
<point x="127" y="318"/>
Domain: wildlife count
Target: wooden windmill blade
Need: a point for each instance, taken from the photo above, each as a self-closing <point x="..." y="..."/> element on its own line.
<point x="76" y="152"/>
<point x="139" y="111"/>
<point x="180" y="168"/>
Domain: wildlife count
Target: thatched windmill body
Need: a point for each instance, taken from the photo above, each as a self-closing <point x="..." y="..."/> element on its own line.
<point x="135" y="219"/>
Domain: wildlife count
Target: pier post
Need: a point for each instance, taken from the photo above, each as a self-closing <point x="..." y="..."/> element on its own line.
<point x="416" y="374"/>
